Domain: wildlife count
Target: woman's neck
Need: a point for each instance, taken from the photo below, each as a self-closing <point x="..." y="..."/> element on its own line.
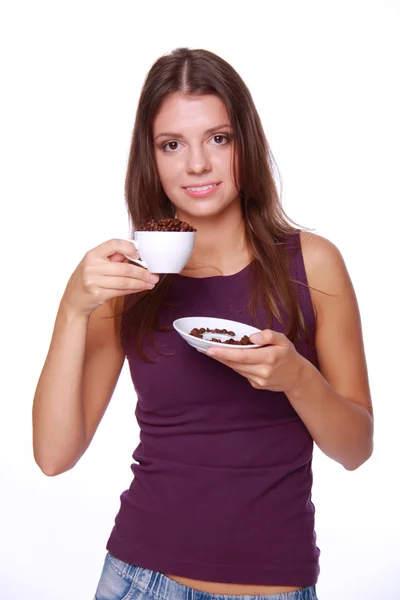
<point x="220" y="246"/>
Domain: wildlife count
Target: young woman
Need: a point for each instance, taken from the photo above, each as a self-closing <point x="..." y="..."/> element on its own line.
<point x="220" y="502"/>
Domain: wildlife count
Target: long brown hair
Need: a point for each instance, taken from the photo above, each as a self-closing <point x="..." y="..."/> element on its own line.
<point x="196" y="72"/>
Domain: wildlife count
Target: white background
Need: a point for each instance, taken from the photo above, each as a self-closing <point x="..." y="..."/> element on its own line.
<point x="324" y="77"/>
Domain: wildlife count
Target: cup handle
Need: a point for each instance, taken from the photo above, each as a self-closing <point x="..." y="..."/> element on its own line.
<point x="136" y="260"/>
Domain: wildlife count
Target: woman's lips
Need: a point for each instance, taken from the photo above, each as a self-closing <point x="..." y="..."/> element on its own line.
<point x="202" y="193"/>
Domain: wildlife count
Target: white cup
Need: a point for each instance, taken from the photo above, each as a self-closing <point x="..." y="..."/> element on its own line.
<point x="163" y="251"/>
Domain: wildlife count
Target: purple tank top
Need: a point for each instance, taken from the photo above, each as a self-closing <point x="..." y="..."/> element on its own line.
<point x="222" y="474"/>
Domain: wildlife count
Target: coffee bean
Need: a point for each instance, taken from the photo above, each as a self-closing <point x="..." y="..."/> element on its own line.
<point x="198" y="333"/>
<point x="167" y="225"/>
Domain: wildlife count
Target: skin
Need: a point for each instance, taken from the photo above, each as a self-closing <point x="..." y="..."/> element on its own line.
<point x="333" y="402"/>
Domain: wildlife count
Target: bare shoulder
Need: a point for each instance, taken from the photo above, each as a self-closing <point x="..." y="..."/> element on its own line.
<point x="323" y="261"/>
<point x="338" y="340"/>
<point x="327" y="275"/>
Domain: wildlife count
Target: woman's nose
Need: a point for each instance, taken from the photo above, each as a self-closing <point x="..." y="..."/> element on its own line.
<point x="198" y="161"/>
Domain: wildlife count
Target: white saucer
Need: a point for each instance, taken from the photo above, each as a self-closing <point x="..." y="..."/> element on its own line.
<point x="185" y="325"/>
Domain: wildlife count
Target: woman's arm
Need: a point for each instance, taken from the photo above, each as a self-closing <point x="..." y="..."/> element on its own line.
<point x="335" y="402"/>
<point x="85" y="356"/>
<point x="76" y="384"/>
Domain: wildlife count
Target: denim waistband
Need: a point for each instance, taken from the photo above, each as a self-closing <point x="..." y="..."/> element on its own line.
<point x="161" y="587"/>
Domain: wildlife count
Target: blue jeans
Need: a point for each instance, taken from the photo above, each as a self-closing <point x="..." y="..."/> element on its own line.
<point x="120" y="581"/>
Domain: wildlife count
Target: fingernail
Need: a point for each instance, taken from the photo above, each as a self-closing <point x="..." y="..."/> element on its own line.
<point x="154" y="278"/>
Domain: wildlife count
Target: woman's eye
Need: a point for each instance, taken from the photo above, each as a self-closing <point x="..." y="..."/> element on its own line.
<point x="219" y="139"/>
<point x="170" y="146"/>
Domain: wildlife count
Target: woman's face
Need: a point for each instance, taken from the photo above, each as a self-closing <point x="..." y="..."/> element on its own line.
<point x="194" y="148"/>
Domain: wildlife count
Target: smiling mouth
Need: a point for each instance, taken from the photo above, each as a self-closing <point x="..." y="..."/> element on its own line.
<point x="202" y="188"/>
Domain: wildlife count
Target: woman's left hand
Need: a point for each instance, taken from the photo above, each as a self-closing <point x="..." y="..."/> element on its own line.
<point x="277" y="366"/>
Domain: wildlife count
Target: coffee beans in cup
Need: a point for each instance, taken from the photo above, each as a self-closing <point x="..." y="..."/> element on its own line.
<point x="167" y="225"/>
<point x="164" y="246"/>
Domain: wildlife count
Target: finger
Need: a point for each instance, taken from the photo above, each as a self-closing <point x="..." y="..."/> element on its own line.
<point x="111" y="268"/>
<point x="235" y="356"/>
<point x="243" y="369"/>
<point x="122" y="283"/>
<point x="111" y="247"/>
<point x="117" y="257"/>
<point x="269" y="337"/>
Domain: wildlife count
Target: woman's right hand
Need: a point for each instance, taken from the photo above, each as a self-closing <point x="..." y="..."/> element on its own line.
<point x="105" y="273"/>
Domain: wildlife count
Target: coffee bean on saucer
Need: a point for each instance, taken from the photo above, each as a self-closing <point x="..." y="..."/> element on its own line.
<point x="199" y="331"/>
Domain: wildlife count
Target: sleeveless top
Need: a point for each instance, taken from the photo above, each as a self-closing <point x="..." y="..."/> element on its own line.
<point x="222" y="474"/>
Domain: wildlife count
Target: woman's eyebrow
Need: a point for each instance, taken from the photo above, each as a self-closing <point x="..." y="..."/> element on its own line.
<point x="180" y="136"/>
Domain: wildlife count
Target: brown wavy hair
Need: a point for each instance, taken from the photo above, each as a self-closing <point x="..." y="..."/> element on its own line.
<point x="267" y="227"/>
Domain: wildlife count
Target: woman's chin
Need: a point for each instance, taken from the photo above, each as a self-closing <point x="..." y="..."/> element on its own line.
<point x="200" y="211"/>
